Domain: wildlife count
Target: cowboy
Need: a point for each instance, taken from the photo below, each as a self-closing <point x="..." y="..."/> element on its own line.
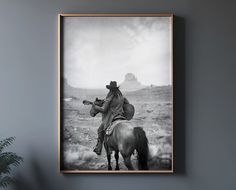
<point x="112" y="110"/>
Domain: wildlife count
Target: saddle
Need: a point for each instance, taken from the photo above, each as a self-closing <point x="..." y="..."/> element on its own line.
<point x="110" y="128"/>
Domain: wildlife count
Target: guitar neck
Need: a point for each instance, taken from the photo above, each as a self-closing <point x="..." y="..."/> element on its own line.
<point x="86" y="102"/>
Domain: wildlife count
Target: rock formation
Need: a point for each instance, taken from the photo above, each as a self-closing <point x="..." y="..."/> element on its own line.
<point x="131" y="83"/>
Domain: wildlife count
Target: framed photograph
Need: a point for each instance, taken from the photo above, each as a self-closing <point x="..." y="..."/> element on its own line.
<point x="115" y="93"/>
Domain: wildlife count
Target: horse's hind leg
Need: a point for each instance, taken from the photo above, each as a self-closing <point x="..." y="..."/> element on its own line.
<point x="108" y="152"/>
<point x="128" y="163"/>
<point x="117" y="160"/>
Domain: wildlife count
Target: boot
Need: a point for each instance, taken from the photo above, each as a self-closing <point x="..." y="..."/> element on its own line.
<point x="98" y="148"/>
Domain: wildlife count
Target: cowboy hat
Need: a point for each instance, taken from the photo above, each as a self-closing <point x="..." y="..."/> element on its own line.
<point x="113" y="84"/>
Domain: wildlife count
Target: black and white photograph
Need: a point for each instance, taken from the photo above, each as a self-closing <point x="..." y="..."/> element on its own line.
<point x="115" y="93"/>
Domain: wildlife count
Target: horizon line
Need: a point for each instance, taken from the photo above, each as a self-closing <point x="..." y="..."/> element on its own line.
<point x="145" y="86"/>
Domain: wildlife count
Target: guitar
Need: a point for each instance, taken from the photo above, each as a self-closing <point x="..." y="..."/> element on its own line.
<point x="97" y="102"/>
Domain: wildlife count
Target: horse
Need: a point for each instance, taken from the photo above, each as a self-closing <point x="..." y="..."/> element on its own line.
<point x="125" y="139"/>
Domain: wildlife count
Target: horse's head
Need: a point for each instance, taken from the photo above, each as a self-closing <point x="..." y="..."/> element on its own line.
<point x="97" y="102"/>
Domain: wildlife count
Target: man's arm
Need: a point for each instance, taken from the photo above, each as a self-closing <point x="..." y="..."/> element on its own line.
<point x="104" y="107"/>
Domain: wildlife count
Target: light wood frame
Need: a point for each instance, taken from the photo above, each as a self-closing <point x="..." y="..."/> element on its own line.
<point x="60" y="62"/>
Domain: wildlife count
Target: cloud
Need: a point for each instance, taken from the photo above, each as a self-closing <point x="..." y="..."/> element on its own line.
<point x="98" y="50"/>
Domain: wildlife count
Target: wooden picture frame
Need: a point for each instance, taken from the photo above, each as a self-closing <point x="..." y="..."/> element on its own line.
<point x="88" y="44"/>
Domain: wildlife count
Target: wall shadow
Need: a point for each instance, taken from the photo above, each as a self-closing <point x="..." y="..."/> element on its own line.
<point x="179" y="96"/>
<point x="37" y="178"/>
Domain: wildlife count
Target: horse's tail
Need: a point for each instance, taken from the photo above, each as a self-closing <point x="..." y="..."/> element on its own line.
<point x="141" y="143"/>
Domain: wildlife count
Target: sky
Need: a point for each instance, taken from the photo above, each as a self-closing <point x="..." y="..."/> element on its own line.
<point x="98" y="50"/>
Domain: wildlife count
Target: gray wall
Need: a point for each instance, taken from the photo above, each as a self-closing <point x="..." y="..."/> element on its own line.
<point x="205" y="58"/>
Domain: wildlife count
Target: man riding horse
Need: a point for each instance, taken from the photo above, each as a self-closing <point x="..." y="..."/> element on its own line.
<point x="112" y="109"/>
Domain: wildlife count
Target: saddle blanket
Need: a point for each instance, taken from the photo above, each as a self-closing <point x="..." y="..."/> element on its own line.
<point x="110" y="128"/>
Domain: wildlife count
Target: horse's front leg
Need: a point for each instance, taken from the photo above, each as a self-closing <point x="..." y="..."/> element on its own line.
<point x="109" y="161"/>
<point x="117" y="160"/>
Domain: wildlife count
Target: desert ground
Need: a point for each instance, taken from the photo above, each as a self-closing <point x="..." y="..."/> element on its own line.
<point x="153" y="112"/>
